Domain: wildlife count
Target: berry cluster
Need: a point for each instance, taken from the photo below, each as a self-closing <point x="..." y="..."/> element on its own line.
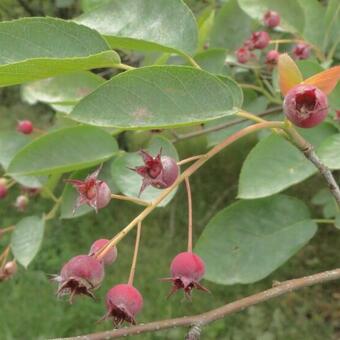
<point x="83" y="274"/>
<point x="260" y="40"/>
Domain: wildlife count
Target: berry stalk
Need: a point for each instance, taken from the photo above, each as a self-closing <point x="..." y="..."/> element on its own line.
<point x="135" y="255"/>
<point x="187" y="185"/>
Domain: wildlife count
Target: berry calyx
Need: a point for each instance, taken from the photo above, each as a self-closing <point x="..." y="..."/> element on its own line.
<point x="123" y="302"/>
<point x="187" y="269"/>
<point x="272" y="57"/>
<point x="3" y="188"/>
<point x="93" y="192"/>
<point x="243" y="55"/>
<point x="160" y="172"/>
<point x="25" y="127"/>
<point x="110" y="256"/>
<point x="260" y="40"/>
<point x="271" y="19"/>
<point x="305" y="106"/>
<point x="301" y="51"/>
<point x="21" y="203"/>
<point x="80" y="276"/>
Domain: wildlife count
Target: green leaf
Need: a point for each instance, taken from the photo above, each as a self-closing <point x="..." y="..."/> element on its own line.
<point x="26" y="239"/>
<point x="291" y="13"/>
<point x="213" y="61"/>
<point x="64" y="150"/>
<point x="37" y="48"/>
<point x="205" y="23"/>
<point x="69" y="195"/>
<point x="332" y="23"/>
<point x="314" y="14"/>
<point x="232" y="26"/>
<point x="275" y="164"/>
<point x="337" y="220"/>
<point x="329" y="152"/>
<point x="64" y="89"/>
<point x="158" y="25"/>
<point x="248" y="240"/>
<point x="129" y="182"/>
<point x="324" y="198"/>
<point x="156" y="97"/>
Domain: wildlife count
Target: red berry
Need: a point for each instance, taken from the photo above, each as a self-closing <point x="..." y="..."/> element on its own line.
<point x="272" y="57"/>
<point x="25" y="127"/>
<point x="187" y="269"/>
<point x="260" y="39"/>
<point x="305" y="106"/>
<point x="81" y="275"/>
<point x="337" y="115"/>
<point x="160" y="171"/>
<point x="123" y="302"/>
<point x="243" y="55"/>
<point x="110" y="256"/>
<point x="301" y="51"/>
<point x="3" y="188"/>
<point x="94" y="192"/>
<point x="10" y="268"/>
<point x="21" y="203"/>
<point x="271" y="19"/>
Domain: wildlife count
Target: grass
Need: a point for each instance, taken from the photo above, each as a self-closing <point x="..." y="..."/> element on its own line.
<point x="30" y="310"/>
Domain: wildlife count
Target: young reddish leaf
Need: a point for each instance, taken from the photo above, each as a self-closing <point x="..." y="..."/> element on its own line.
<point x="326" y="80"/>
<point x="289" y="73"/>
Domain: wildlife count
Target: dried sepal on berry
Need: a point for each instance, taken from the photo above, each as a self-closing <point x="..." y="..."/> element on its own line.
<point x="92" y="191"/>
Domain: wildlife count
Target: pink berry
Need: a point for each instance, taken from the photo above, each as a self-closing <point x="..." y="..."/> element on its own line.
<point x="25" y="127"/>
<point x="160" y="171"/>
<point x="305" y="106"/>
<point x="301" y="51"/>
<point x="10" y="268"/>
<point x="93" y="192"/>
<point x="123" y="302"/>
<point x="260" y="39"/>
<point x="3" y="188"/>
<point x="271" y="19"/>
<point x="110" y="256"/>
<point x="81" y="275"/>
<point x="337" y="115"/>
<point x="21" y="202"/>
<point x="187" y="269"/>
<point x="272" y="57"/>
<point x="243" y="55"/>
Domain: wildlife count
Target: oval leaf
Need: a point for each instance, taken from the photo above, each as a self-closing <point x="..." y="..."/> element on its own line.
<point x="329" y="152"/>
<point x="26" y="239"/>
<point x="275" y="164"/>
<point x="129" y="182"/>
<point x="145" y="25"/>
<point x="248" y="240"/>
<point x="155" y="97"/>
<point x="289" y="73"/>
<point x="38" y="48"/>
<point x="64" y="150"/>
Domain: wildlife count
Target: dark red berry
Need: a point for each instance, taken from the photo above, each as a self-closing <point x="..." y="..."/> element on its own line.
<point x="123" y="302"/>
<point x="187" y="269"/>
<point x="3" y="188"/>
<point x="305" y="106"/>
<point x="21" y="203"/>
<point x="93" y="192"/>
<point x="25" y="127"/>
<point x="272" y="57"/>
<point x="81" y="275"/>
<point x="271" y="19"/>
<point x="260" y="40"/>
<point x="301" y="51"/>
<point x="243" y="55"/>
<point x="160" y="171"/>
<point x="110" y="256"/>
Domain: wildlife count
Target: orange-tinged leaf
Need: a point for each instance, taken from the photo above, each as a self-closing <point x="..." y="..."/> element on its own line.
<point x="325" y="80"/>
<point x="289" y="73"/>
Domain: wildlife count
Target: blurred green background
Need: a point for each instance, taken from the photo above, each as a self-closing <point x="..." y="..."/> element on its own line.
<point x="30" y="309"/>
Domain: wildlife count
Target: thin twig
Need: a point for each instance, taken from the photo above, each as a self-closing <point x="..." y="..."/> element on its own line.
<point x="130" y="199"/>
<point x="222" y="126"/>
<point x="135" y="255"/>
<point x="187" y="185"/>
<point x="188" y="160"/>
<point x="203" y="319"/>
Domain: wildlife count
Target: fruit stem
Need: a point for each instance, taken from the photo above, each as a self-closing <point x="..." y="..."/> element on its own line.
<point x="188" y="172"/>
<point x="130" y="199"/>
<point x="263" y="91"/>
<point x="51" y="214"/>
<point x="4" y="256"/>
<point x="192" y="61"/>
<point x="325" y="221"/>
<point x="135" y="255"/>
<point x="188" y="160"/>
<point x="6" y="230"/>
<point x="187" y="185"/>
<point x="123" y="67"/>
